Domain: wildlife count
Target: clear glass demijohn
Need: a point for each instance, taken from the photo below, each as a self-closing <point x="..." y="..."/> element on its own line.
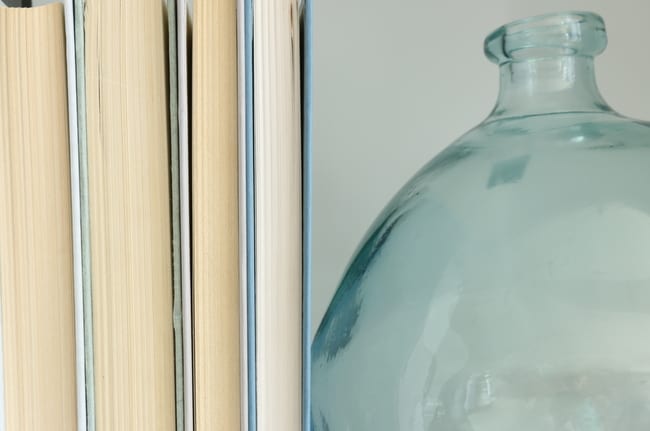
<point x="507" y="286"/>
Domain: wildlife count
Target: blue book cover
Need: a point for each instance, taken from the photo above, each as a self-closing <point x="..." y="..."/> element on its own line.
<point x="307" y="204"/>
<point x="249" y="210"/>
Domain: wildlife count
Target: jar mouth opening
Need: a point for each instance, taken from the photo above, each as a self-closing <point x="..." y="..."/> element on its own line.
<point x="548" y="35"/>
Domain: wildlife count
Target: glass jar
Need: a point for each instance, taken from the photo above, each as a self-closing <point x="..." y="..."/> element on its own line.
<point x="507" y="286"/>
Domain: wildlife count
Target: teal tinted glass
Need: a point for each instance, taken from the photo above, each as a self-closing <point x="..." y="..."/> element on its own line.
<point x="507" y="285"/>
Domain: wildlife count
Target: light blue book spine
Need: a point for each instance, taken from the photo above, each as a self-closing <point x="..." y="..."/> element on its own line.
<point x="307" y="205"/>
<point x="250" y="213"/>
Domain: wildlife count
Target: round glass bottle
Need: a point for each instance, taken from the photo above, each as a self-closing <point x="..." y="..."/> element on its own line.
<point x="507" y="286"/>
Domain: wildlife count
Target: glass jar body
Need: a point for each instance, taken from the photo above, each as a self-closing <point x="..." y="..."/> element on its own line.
<point x="505" y="288"/>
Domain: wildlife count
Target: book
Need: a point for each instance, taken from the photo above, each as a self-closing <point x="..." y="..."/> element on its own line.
<point x="128" y="192"/>
<point x="278" y="215"/>
<point x="36" y="251"/>
<point x="215" y="217"/>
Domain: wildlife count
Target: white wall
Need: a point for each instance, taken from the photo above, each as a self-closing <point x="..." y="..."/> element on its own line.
<point x="397" y="80"/>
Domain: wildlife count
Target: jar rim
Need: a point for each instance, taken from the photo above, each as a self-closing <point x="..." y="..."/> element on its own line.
<point x="548" y="35"/>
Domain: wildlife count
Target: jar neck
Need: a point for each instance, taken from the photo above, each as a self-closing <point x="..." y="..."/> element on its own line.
<point x="539" y="86"/>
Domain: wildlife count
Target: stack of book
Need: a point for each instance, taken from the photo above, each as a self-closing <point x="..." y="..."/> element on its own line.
<point x="155" y="215"/>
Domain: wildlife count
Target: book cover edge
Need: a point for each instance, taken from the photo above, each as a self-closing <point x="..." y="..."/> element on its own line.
<point x="174" y="139"/>
<point x="307" y="204"/>
<point x="243" y="205"/>
<point x="84" y="218"/>
<point x="183" y="147"/>
<point x="250" y="216"/>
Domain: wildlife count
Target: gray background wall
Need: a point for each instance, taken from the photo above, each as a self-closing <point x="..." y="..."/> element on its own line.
<point x="397" y="80"/>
